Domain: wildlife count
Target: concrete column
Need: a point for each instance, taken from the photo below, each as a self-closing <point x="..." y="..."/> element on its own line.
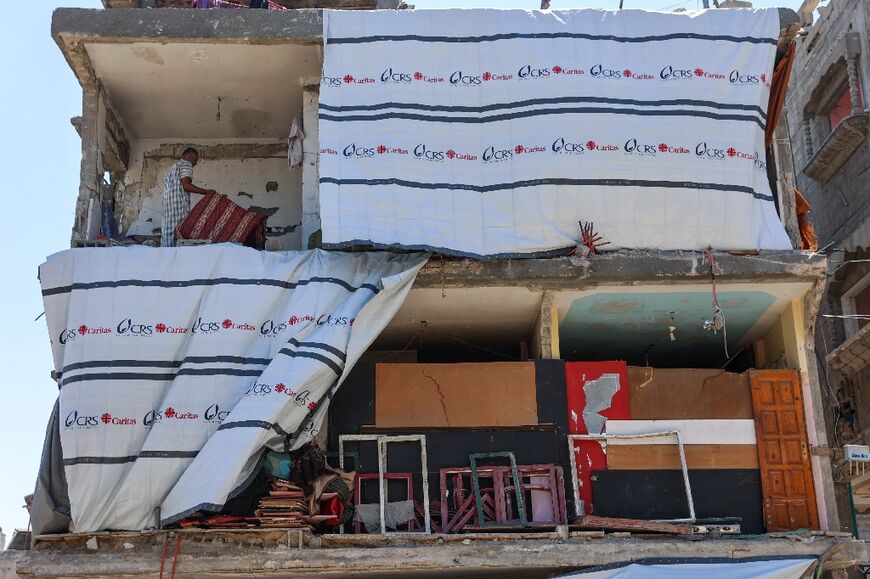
<point x="545" y="336"/>
<point x="310" y="163"/>
<point x="90" y="174"/>
<point x="799" y="328"/>
<point x="785" y="184"/>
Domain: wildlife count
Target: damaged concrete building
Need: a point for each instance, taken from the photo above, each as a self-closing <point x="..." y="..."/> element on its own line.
<point x="519" y="395"/>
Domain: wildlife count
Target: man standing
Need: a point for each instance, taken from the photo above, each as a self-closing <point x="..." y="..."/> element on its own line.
<point x="177" y="187"/>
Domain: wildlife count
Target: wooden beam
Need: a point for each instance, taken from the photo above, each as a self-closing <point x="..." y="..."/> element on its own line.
<point x="667" y="457"/>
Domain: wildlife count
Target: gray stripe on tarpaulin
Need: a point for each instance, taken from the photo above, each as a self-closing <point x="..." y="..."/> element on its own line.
<point x="320" y="345"/>
<point x="553" y="181"/>
<point x="543" y="101"/>
<point x="163" y="363"/>
<point x="160" y="377"/>
<point x="689" y="561"/>
<point x="539" y="113"/>
<point x="547" y="36"/>
<point x="205" y="282"/>
<point x="314" y="356"/>
<point x="132" y="458"/>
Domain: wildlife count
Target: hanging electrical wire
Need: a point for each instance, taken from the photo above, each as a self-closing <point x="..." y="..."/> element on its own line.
<point x="717" y="323"/>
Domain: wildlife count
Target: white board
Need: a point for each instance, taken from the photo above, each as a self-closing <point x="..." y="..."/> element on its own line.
<point x="702" y="431"/>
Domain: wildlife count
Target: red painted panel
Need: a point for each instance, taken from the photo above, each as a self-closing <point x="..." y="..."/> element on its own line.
<point x="590" y="454"/>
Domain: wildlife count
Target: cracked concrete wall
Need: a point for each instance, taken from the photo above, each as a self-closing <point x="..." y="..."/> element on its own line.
<point x="251" y="174"/>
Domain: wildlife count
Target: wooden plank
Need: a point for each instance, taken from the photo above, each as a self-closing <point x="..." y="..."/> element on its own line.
<point x="667" y="457"/>
<point x="635" y="525"/>
<point x="705" y="431"/>
<point x="439" y="395"/>
<point x="688" y="393"/>
<point x="783" y="455"/>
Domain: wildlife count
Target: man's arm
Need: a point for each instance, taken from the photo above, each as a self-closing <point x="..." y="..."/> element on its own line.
<point x="187" y="185"/>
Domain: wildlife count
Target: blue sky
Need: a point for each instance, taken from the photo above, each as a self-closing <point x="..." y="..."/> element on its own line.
<point x="39" y="158"/>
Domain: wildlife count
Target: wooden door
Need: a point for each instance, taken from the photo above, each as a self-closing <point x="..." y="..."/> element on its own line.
<point x="783" y="453"/>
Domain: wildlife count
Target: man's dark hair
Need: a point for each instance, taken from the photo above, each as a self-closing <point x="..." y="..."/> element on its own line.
<point x="190" y="151"/>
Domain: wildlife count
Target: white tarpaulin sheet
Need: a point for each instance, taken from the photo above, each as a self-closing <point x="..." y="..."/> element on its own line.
<point x="179" y="366"/>
<point x="493" y="132"/>
<point x="767" y="569"/>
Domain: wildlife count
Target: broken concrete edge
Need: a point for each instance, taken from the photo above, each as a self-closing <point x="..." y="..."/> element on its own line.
<point x="71" y="28"/>
<point x="627" y="267"/>
<point x="206" y="554"/>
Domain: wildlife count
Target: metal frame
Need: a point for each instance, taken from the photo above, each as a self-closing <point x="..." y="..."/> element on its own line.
<point x="605" y="437"/>
<point x="497" y="488"/>
<point x="383" y="440"/>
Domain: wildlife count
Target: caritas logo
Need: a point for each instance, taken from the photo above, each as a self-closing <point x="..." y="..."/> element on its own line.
<point x="172" y="414"/>
<point x="83" y="330"/>
<point x="107" y="418"/>
<point x="424" y="153"/>
<point x="594" y="146"/>
<point x="228" y="324"/>
<point x="76" y="421"/>
<point x="388" y="150"/>
<point x="528" y="149"/>
<point x="350" y="79"/>
<point x="328" y="151"/>
<point x="421" y="77"/>
<point x="567" y="71"/>
<point x="162" y="328"/>
<point x="462" y="78"/>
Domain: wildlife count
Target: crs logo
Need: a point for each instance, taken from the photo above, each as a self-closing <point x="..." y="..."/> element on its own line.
<point x="562" y="147"/>
<point x="214" y="414"/>
<point x="330" y="81"/>
<point x="388" y="76"/>
<point x="528" y="72"/>
<point x="671" y="73"/>
<point x="330" y="321"/>
<point x="299" y="398"/>
<point x="743" y="79"/>
<point x="66" y="335"/>
<point x="271" y="329"/>
<point x="460" y="79"/>
<point x="493" y="155"/>
<point x="128" y="328"/>
<point x="421" y="152"/>
<point x="352" y="151"/>
<point x="632" y="147"/>
<point x="200" y="327"/>
<point x="702" y="150"/>
<point x="598" y="71"/>
<point x="74" y="420"/>
<point x="258" y="390"/>
<point x="151" y="418"/>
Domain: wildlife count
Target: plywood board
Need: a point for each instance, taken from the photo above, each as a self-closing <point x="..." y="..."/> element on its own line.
<point x="667" y="457"/>
<point x="691" y="431"/>
<point x="685" y="393"/>
<point x="458" y="395"/>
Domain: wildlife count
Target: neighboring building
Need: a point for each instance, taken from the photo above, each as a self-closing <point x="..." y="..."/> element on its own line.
<point x="827" y="123"/>
<point x="483" y="356"/>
